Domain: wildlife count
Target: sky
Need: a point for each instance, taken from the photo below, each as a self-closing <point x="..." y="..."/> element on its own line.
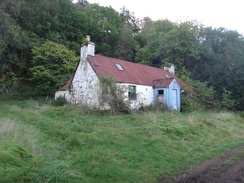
<point x="216" y="13"/>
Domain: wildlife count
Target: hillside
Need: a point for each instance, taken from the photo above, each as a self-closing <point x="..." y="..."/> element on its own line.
<point x="44" y="143"/>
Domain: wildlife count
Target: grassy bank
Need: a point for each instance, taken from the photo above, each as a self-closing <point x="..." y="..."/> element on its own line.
<point x="43" y="143"/>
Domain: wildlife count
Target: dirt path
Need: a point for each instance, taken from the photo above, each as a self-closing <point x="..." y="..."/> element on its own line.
<point x="228" y="168"/>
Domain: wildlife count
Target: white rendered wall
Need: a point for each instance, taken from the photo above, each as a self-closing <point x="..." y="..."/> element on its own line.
<point x="144" y="95"/>
<point x="62" y="94"/>
<point x="84" y="88"/>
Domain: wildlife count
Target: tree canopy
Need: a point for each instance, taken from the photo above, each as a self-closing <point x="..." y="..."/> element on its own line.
<point x="52" y="65"/>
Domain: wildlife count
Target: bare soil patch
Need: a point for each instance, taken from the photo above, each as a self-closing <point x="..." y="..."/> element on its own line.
<point x="227" y="168"/>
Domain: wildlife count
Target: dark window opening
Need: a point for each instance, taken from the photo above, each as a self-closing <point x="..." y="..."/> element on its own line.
<point x="160" y="92"/>
<point x="132" y="92"/>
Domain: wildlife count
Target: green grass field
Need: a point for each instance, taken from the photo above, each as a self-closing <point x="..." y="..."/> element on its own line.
<point x="43" y="143"/>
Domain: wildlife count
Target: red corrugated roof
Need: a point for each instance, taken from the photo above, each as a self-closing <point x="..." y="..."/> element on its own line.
<point x="66" y="86"/>
<point x="162" y="82"/>
<point x="131" y="73"/>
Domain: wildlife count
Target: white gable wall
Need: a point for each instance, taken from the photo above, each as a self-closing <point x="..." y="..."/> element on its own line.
<point x="84" y="88"/>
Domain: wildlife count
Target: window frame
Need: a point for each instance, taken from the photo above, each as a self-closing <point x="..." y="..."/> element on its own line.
<point x="132" y="92"/>
<point x="119" y="67"/>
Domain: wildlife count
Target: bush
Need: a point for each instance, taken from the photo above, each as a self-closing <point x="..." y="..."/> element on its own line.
<point x="203" y="97"/>
<point x="226" y="103"/>
<point x="59" y="101"/>
<point x="112" y="95"/>
<point x="189" y="101"/>
<point x="241" y="113"/>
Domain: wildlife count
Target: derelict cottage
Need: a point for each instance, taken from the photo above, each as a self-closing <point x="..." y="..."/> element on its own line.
<point x="144" y="85"/>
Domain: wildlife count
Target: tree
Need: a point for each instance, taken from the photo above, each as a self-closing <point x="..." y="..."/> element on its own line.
<point x="205" y="94"/>
<point x="25" y="24"/>
<point x="14" y="45"/>
<point x="52" y="65"/>
<point x="129" y="19"/>
<point x="226" y="103"/>
<point x="126" y="46"/>
<point x="151" y="41"/>
<point x="104" y="27"/>
<point x="142" y="48"/>
<point x="221" y="62"/>
<point x="168" y="42"/>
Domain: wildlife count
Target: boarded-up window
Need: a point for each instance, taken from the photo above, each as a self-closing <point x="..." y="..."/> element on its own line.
<point x="132" y="92"/>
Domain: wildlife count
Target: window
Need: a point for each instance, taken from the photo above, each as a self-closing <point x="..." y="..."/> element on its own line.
<point x="166" y="75"/>
<point x="160" y="92"/>
<point x="132" y="92"/>
<point x="119" y="67"/>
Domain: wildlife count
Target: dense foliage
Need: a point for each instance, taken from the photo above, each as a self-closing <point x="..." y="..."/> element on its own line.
<point x="51" y="66"/>
<point x="112" y="95"/>
<point x="203" y="56"/>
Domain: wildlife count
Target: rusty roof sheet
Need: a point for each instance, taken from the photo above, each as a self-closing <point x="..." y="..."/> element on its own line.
<point x="67" y="85"/>
<point x="162" y="82"/>
<point x="131" y="73"/>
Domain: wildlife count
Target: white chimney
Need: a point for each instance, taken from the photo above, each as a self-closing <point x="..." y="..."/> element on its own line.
<point x="88" y="38"/>
<point x="88" y="48"/>
<point x="170" y="67"/>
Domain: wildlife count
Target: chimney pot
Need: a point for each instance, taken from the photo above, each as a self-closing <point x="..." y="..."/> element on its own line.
<point x="170" y="68"/>
<point x="87" y="49"/>
<point x="88" y="38"/>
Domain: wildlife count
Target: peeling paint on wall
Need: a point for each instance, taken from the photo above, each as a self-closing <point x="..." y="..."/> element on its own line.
<point x="85" y="86"/>
<point x="144" y="95"/>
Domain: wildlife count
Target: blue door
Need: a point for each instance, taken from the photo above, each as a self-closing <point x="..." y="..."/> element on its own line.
<point x="174" y="100"/>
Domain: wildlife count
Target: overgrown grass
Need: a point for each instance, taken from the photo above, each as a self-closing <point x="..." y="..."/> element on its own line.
<point x="72" y="144"/>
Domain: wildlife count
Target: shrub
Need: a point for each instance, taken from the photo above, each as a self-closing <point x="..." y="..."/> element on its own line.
<point x="113" y="95"/>
<point x="226" y="103"/>
<point x="59" y="101"/>
<point x="189" y="101"/>
<point x="241" y="113"/>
